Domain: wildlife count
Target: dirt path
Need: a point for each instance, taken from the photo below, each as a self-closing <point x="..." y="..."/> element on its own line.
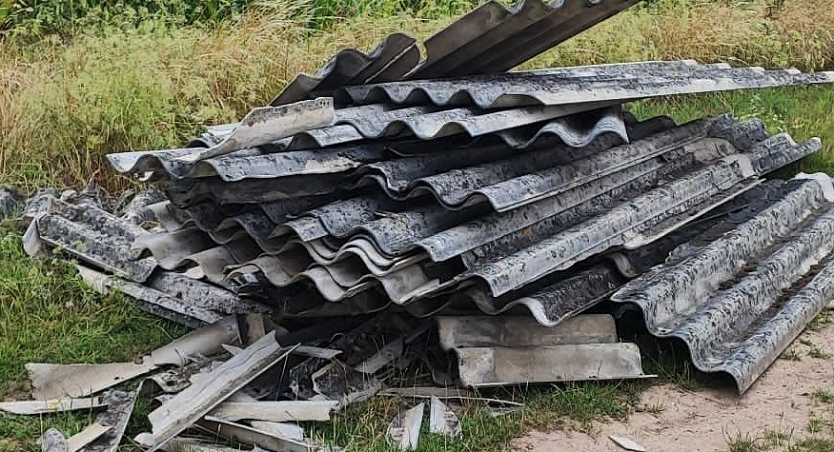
<point x="702" y="421"/>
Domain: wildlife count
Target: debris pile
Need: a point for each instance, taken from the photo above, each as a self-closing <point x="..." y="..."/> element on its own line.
<point x="391" y="211"/>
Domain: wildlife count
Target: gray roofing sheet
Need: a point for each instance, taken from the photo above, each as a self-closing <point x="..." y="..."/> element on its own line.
<point x="738" y="298"/>
<point x="91" y="234"/>
<point x="445" y="171"/>
<point x="553" y="88"/>
<point x="518" y="128"/>
<point x="702" y="173"/>
<point x="576" y="182"/>
<point x="629" y="224"/>
<point x="491" y="38"/>
<point x="390" y="60"/>
<point x="561" y="295"/>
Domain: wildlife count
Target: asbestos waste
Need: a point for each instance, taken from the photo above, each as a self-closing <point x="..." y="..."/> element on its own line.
<point x="398" y="210"/>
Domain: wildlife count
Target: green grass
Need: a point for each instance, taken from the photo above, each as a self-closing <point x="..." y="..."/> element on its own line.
<point x="803" y="112"/>
<point x="813" y="445"/>
<point x="822" y="320"/>
<point x="824" y="396"/>
<point x="791" y="355"/>
<point x="744" y="443"/>
<point x="815" y="351"/>
<point x="47" y="314"/>
<point x="815" y="425"/>
<point x="574" y="406"/>
<point x="32" y="19"/>
<point x="776" y="438"/>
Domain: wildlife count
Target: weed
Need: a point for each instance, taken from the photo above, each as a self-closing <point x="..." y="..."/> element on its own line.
<point x="815" y="425"/>
<point x="818" y="353"/>
<point x="813" y="445"/>
<point x="823" y="395"/>
<point x="362" y="426"/>
<point x="655" y="408"/>
<point x="819" y="322"/>
<point x="743" y="443"/>
<point x="791" y="355"/>
<point x="47" y="314"/>
<point x="775" y="438"/>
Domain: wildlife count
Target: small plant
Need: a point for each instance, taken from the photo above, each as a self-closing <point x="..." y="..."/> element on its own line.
<point x="7" y="11"/>
<point x="813" y="445"/>
<point x="818" y="353"/>
<point x="823" y="395"/>
<point x="820" y="321"/>
<point x="743" y="443"/>
<point x="815" y="425"/>
<point x="791" y="355"/>
<point x="775" y="438"/>
<point x="814" y="351"/>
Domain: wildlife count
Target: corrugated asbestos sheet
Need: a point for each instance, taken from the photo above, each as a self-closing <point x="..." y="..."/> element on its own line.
<point x="494" y="225"/>
<point x="374" y="186"/>
<point x="492" y="38"/>
<point x="566" y="87"/>
<point x="742" y="291"/>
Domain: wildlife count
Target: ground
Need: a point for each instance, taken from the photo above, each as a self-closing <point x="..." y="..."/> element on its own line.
<point x="790" y="408"/>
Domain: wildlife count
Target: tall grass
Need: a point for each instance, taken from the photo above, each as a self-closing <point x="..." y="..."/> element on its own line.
<point x="67" y="101"/>
<point x="41" y="17"/>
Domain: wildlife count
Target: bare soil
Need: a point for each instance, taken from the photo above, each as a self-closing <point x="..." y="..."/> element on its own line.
<point x="672" y="419"/>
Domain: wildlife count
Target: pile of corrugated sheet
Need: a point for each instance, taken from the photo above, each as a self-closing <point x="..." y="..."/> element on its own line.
<point x="395" y="209"/>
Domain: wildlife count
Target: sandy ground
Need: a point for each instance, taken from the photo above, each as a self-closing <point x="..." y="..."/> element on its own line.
<point x="702" y="420"/>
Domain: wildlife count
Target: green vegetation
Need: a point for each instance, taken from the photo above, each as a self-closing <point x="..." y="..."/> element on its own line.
<point x="574" y="405"/>
<point x="744" y="443"/>
<point x="815" y="425"/>
<point x="815" y="351"/>
<point x="31" y="18"/>
<point x="813" y="445"/>
<point x="47" y="314"/>
<point x="820" y="321"/>
<point x="81" y="79"/>
<point x="776" y="438"/>
<point x="791" y="355"/>
<point x="67" y="101"/>
<point x="824" y="396"/>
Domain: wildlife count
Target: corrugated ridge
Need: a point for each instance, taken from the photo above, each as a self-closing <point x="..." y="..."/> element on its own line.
<point x="511" y="127"/>
<point x="491" y="38"/>
<point x="706" y="186"/>
<point x="681" y="198"/>
<point x="782" y="242"/>
<point x="353" y="66"/>
<point x="494" y="38"/>
<point x="524" y="88"/>
<point x="519" y="127"/>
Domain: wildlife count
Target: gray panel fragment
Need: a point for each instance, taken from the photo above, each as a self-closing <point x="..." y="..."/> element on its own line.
<point x="501" y="366"/>
<point x="92" y="235"/>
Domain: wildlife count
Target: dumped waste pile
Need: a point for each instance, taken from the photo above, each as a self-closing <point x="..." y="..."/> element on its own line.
<point x="398" y="209"/>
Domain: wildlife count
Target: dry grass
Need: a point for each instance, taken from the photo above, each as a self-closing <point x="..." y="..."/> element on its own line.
<point x="797" y="34"/>
<point x="64" y="105"/>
